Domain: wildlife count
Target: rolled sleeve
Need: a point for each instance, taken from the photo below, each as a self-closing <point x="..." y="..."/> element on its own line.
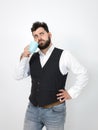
<point x="70" y="63"/>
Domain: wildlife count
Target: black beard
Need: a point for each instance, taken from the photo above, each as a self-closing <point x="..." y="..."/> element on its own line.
<point x="46" y="44"/>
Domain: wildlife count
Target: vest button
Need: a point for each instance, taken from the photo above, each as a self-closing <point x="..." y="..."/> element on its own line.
<point x="37" y="89"/>
<point x="38" y="82"/>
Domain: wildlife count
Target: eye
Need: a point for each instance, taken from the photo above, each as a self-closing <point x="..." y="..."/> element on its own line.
<point x="42" y="33"/>
<point x="35" y="36"/>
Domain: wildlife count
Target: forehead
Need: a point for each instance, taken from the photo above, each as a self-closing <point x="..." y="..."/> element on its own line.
<point x="39" y="30"/>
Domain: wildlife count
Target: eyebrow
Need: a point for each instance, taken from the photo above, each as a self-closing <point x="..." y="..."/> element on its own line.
<point x="39" y="33"/>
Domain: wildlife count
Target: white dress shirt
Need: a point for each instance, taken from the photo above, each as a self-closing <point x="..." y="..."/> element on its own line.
<point x="67" y="62"/>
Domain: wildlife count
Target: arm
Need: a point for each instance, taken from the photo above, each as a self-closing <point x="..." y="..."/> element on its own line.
<point x="69" y="63"/>
<point x="22" y="69"/>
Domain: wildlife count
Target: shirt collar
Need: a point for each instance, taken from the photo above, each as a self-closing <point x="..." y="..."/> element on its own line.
<point x="48" y="52"/>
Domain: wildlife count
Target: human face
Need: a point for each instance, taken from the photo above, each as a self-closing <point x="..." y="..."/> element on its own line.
<point x="42" y="37"/>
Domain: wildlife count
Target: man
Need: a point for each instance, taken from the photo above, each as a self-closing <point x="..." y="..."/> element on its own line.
<point x="48" y="69"/>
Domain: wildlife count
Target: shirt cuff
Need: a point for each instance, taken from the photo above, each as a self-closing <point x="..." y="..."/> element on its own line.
<point x="72" y="93"/>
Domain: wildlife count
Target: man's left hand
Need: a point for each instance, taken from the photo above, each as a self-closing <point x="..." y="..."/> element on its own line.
<point x="63" y="95"/>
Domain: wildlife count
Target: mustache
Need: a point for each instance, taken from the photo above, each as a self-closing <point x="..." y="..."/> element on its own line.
<point x="41" y="40"/>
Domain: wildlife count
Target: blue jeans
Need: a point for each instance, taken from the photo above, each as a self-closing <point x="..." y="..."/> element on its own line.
<point x="52" y="118"/>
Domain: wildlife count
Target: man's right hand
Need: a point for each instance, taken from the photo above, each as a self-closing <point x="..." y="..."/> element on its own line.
<point x="26" y="52"/>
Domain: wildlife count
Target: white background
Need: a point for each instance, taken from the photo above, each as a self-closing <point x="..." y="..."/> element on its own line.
<point x="74" y="26"/>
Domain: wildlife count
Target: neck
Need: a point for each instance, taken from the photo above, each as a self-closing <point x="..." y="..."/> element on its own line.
<point x="46" y="49"/>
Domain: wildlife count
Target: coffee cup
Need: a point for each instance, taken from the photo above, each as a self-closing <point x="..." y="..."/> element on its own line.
<point x="33" y="46"/>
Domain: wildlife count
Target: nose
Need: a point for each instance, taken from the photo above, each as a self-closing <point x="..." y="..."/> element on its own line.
<point x="39" y="38"/>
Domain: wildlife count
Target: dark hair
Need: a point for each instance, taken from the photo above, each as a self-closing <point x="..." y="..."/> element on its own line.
<point x="36" y="25"/>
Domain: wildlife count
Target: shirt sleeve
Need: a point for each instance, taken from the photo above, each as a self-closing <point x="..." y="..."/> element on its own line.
<point x="69" y="63"/>
<point x="22" y="69"/>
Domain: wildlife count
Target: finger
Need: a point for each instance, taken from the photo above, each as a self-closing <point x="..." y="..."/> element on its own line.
<point x="61" y="90"/>
<point x="61" y="97"/>
<point x="62" y="100"/>
<point x="59" y="94"/>
<point x="26" y="48"/>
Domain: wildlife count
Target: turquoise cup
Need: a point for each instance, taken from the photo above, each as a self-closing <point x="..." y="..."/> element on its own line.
<point x="33" y="46"/>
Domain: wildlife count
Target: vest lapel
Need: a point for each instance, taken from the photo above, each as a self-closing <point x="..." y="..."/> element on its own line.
<point x="47" y="62"/>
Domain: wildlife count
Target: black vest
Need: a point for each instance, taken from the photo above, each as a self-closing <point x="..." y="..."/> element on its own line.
<point x="46" y="80"/>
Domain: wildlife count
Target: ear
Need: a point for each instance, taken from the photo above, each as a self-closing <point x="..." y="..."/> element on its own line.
<point x="50" y="35"/>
